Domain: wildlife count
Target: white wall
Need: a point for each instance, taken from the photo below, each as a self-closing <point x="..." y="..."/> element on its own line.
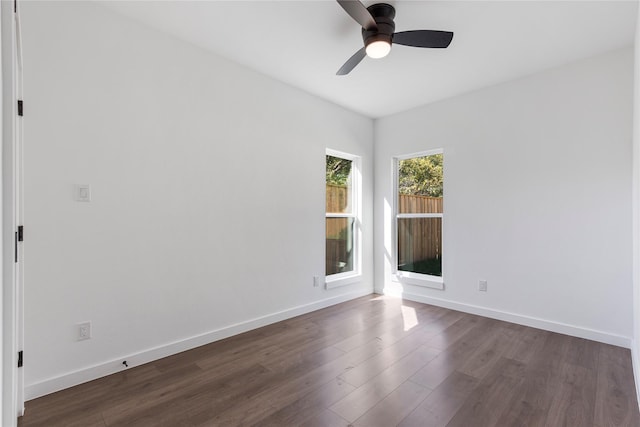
<point x="537" y="198"/>
<point x="208" y="194"/>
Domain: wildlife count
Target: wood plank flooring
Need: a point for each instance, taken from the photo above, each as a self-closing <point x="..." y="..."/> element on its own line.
<point x="373" y="361"/>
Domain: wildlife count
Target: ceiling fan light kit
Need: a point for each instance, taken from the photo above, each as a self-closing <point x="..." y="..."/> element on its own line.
<point x="378" y="49"/>
<point x="378" y="33"/>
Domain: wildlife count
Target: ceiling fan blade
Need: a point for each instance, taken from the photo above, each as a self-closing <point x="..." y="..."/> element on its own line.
<point x="359" y="12"/>
<point x="423" y="38"/>
<point x="352" y="62"/>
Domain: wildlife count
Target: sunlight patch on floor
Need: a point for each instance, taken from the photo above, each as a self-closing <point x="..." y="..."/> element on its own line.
<point x="409" y="317"/>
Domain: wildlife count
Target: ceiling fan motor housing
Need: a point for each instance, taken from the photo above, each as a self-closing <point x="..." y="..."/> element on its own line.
<point x="383" y="14"/>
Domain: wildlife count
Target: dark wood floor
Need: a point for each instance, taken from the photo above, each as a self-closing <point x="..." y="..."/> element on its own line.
<point x="374" y="361"/>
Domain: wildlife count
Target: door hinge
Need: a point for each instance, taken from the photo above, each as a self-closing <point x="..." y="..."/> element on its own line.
<point x="20" y="359"/>
<point x="19" y="237"/>
<point x="20" y="107"/>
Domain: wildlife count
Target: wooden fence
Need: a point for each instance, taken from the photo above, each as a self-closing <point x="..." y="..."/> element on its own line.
<point x="418" y="238"/>
<point x="419" y="204"/>
<point x="339" y="253"/>
<point x="337" y="201"/>
<point x="338" y="257"/>
<point x="337" y="198"/>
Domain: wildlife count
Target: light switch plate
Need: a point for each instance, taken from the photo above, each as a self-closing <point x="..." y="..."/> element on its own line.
<point x="83" y="193"/>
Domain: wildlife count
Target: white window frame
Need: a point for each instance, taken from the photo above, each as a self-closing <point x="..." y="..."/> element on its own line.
<point x="353" y="276"/>
<point x="408" y="277"/>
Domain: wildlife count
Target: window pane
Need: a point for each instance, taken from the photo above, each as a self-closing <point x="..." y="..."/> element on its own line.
<point x="420" y="184"/>
<point x="338" y="185"/>
<point x="420" y="245"/>
<point x="339" y="252"/>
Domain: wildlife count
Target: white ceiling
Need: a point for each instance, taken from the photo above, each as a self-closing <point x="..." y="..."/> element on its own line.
<point x="303" y="43"/>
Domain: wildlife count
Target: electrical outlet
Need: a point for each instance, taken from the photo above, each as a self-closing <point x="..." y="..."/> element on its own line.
<point x="83" y="193"/>
<point x="84" y="331"/>
<point x="316" y="281"/>
<point x="482" y="286"/>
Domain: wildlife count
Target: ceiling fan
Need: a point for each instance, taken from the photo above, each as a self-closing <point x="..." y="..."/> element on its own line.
<point x="378" y="33"/>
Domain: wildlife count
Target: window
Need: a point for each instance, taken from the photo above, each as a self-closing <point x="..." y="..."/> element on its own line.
<point x="342" y="213"/>
<point x="419" y="215"/>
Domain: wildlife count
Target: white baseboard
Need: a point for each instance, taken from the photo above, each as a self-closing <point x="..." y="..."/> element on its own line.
<point x="90" y="373"/>
<point x="534" y="322"/>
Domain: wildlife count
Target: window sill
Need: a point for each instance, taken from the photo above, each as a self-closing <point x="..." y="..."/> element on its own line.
<point x="416" y="279"/>
<point x="339" y="280"/>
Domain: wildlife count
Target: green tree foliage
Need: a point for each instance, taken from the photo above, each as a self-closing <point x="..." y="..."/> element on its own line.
<point x="421" y="176"/>
<point x="338" y="170"/>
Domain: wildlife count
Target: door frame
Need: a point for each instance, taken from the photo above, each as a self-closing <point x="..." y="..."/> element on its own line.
<point x="12" y="325"/>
